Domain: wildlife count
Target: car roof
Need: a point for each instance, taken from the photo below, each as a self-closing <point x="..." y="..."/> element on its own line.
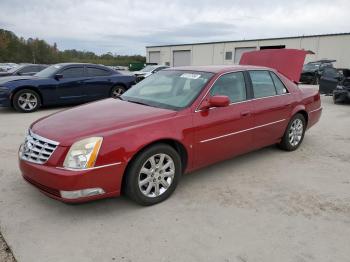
<point x="73" y="64"/>
<point x="218" y="68"/>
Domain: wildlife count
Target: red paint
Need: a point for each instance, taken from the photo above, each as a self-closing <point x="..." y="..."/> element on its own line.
<point x="127" y="128"/>
<point x="288" y="62"/>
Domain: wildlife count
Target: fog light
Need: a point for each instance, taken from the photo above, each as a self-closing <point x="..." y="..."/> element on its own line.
<point x="82" y="193"/>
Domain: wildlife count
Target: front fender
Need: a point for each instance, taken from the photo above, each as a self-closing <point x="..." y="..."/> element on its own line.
<point x="123" y="146"/>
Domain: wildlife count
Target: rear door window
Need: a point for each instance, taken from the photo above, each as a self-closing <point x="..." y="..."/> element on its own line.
<point x="93" y="71"/>
<point x="263" y="85"/>
<point x="280" y="88"/>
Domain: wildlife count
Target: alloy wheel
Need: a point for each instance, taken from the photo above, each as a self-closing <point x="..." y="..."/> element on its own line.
<point x="296" y="132"/>
<point x="27" y="101"/>
<point x="156" y="175"/>
<point x="117" y="92"/>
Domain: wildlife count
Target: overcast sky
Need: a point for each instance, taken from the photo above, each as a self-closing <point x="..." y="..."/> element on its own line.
<point x="126" y="27"/>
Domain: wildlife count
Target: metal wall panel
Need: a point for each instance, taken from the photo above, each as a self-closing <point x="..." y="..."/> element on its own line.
<point x="182" y="58"/>
<point x="239" y="52"/>
<point x="154" y="57"/>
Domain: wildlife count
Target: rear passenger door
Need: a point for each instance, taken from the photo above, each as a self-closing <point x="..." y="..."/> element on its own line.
<point x="98" y="84"/>
<point x="271" y="107"/>
<point x="224" y="132"/>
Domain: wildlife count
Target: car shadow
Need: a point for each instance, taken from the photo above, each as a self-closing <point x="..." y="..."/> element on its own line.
<point x="122" y="206"/>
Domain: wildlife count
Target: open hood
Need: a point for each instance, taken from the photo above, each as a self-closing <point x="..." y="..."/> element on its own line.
<point x="288" y="62"/>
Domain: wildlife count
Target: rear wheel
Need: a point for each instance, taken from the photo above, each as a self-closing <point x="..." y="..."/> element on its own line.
<point x="26" y="101"/>
<point x="153" y="175"/>
<point x="117" y="91"/>
<point x="294" y="133"/>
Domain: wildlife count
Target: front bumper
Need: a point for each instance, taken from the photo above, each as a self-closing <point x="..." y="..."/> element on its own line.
<point x="52" y="180"/>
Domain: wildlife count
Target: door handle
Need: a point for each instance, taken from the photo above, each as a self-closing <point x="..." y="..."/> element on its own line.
<point x="245" y="113"/>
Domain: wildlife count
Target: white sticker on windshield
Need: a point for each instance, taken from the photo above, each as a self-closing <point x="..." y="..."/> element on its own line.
<point x="190" y="76"/>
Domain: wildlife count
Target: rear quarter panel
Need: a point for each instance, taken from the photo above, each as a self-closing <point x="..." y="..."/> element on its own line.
<point x="126" y="80"/>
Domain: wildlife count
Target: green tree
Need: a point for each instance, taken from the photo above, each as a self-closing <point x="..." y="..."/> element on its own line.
<point x="20" y="50"/>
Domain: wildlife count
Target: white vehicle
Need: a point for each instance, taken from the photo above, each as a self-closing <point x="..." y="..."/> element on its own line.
<point x="4" y="67"/>
<point x="147" y="71"/>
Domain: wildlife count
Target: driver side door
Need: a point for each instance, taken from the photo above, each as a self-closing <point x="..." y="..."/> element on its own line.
<point x="223" y="132"/>
<point x="70" y="87"/>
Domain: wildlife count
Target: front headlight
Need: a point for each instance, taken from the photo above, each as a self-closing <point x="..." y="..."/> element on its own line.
<point x="340" y="87"/>
<point x="83" y="153"/>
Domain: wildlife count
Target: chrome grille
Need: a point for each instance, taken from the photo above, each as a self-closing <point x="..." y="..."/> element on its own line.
<point x="37" y="149"/>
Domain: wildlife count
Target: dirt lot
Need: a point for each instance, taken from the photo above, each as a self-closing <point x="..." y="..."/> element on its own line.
<point x="264" y="206"/>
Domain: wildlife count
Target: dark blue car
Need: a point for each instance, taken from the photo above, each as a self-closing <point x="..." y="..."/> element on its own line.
<point x="62" y="84"/>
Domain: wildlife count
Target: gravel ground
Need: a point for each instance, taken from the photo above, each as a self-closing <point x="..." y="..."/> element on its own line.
<point x="5" y="252"/>
<point x="268" y="205"/>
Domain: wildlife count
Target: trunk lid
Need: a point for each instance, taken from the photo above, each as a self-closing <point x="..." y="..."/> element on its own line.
<point x="288" y="62"/>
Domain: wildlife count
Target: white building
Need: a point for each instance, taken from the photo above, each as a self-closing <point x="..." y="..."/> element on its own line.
<point x="330" y="46"/>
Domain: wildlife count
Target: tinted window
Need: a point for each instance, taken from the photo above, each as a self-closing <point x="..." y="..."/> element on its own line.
<point x="29" y="69"/>
<point x="280" y="88"/>
<point x="330" y="72"/>
<point x="262" y="84"/>
<point x="73" y="72"/>
<point x="93" y="71"/>
<point x="231" y="85"/>
<point x="228" y="56"/>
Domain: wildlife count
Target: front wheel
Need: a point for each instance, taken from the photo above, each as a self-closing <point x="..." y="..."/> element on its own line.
<point x="294" y="133"/>
<point x="26" y="101"/>
<point x="153" y="175"/>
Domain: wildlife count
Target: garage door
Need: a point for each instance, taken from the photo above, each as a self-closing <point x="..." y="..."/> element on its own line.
<point x="240" y="50"/>
<point x="154" y="57"/>
<point x="182" y="58"/>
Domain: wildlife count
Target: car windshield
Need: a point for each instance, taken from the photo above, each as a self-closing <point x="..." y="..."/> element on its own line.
<point x="148" y="68"/>
<point x="49" y="71"/>
<point x="170" y="89"/>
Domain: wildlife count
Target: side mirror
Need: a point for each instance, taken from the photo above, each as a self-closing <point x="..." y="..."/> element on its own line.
<point x="215" y="101"/>
<point x="58" y="76"/>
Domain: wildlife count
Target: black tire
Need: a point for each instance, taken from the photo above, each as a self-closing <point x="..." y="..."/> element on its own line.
<point x="133" y="175"/>
<point x="117" y="90"/>
<point x="31" y="104"/>
<point x="285" y="143"/>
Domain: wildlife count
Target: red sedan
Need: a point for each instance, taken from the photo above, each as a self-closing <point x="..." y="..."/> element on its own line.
<point x="171" y="123"/>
